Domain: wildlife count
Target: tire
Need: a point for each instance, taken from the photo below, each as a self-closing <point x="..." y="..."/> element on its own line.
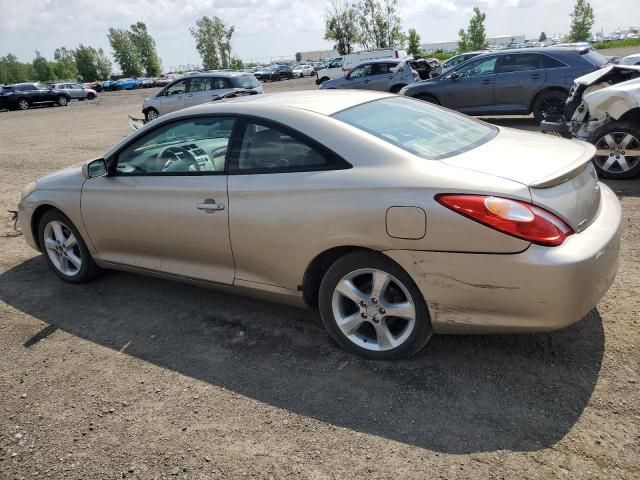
<point x="548" y="103"/>
<point x="301" y="75"/>
<point x="322" y="80"/>
<point x="372" y="332"/>
<point x="91" y="96"/>
<point x="62" y="101"/>
<point x="396" y="88"/>
<point x="614" y="141"/>
<point x="151" y="114"/>
<point x="425" y="97"/>
<point x="22" y="104"/>
<point x="54" y="230"/>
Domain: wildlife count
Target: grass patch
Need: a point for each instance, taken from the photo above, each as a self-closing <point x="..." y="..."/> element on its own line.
<point x="627" y="42"/>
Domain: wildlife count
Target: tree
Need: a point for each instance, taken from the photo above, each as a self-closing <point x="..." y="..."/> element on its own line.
<point x="581" y="22"/>
<point x="85" y="58"/>
<point x="213" y="42"/>
<point x="103" y="65"/>
<point x="125" y="52"/>
<point x="413" y="39"/>
<point x="14" y="71"/>
<point x="341" y="26"/>
<point x="41" y="68"/>
<point x="392" y="26"/>
<point x="146" y="47"/>
<point x="475" y="37"/>
<point x="236" y="64"/>
<point x="64" y="65"/>
<point x="298" y="57"/>
<point x="543" y="37"/>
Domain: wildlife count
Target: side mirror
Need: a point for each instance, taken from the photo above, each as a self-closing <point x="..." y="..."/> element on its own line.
<point x="95" y="168"/>
<point x="454" y="76"/>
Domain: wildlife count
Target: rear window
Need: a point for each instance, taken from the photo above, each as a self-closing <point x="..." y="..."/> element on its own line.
<point x="420" y="128"/>
<point x="593" y="57"/>
<point x="245" y="81"/>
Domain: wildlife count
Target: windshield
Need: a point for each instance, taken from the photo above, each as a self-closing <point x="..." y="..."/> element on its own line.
<point x="245" y="81"/>
<point x="420" y="128"/>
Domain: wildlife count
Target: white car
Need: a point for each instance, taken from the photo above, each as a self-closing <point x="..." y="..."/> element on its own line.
<point x="303" y="71"/>
<point x="631" y="59"/>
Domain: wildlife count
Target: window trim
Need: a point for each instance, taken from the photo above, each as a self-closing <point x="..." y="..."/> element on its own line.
<point x="457" y="67"/>
<point x="112" y="161"/>
<point x="336" y="162"/>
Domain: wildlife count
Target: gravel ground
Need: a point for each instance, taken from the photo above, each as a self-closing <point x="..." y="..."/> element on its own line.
<point x="141" y="378"/>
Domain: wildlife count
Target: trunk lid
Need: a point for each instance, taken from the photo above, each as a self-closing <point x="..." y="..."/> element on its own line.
<point x="557" y="171"/>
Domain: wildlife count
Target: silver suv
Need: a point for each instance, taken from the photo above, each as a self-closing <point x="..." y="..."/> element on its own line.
<point x="388" y="75"/>
<point x="75" y="90"/>
<point x="196" y="89"/>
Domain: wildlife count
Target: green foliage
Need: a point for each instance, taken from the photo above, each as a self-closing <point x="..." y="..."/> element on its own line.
<point x="213" y="42"/>
<point x="42" y="68"/>
<point x="14" y="71"/>
<point x="627" y="42"/>
<point x="91" y="64"/>
<point x="413" y="42"/>
<point x="581" y="22"/>
<point x="543" y="37"/>
<point x="341" y="26"/>
<point x="463" y="41"/>
<point x="125" y="52"/>
<point x="379" y="24"/>
<point x="474" y="38"/>
<point x="64" y="65"/>
<point x="146" y="47"/>
<point x="298" y="57"/>
<point x="236" y="64"/>
<point x="103" y="65"/>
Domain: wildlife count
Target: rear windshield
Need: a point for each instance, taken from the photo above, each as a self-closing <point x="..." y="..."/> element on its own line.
<point x="420" y="128"/>
<point x="594" y="58"/>
<point x="245" y="81"/>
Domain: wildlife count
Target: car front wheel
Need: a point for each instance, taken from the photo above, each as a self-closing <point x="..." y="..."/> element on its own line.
<point x="64" y="249"/>
<point x="371" y="307"/>
<point x="62" y="101"/>
<point x="617" y="150"/>
<point x="151" y="114"/>
<point x="23" y="104"/>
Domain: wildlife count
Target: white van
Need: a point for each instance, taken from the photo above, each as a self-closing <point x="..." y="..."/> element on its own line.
<point x="341" y="65"/>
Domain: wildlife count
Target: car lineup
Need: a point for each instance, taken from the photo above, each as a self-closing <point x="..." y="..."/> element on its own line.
<point x="395" y="217"/>
<point x="23" y="96"/>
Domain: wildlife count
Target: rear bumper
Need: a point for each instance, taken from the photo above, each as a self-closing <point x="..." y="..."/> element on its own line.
<point x="558" y="128"/>
<point x="540" y="289"/>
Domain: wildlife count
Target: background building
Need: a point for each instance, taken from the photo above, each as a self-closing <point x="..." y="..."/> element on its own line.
<point x="501" y="41"/>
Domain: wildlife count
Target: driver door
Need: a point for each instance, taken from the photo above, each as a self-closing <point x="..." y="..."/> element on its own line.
<point x="163" y="207"/>
<point x="360" y="77"/>
<point x="469" y="88"/>
<point x="173" y="97"/>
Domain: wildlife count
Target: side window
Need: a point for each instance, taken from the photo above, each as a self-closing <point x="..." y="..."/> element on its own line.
<point x="361" y="71"/>
<point x="78" y="86"/>
<point x="382" y="68"/>
<point x="264" y="147"/>
<point x="520" y="62"/>
<point x="197" y="84"/>
<point x="187" y="147"/>
<point x="550" y="62"/>
<point x="218" y="83"/>
<point x="336" y="63"/>
<point x="479" y="67"/>
<point x="177" y="88"/>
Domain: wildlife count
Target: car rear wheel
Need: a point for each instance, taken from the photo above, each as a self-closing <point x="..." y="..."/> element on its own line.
<point x="322" y="80"/>
<point x="23" y="104"/>
<point x="371" y="307"/>
<point x="396" y="88"/>
<point x="548" y="104"/>
<point x="91" y="96"/>
<point x="64" y="249"/>
<point x="151" y="114"/>
<point x="617" y="150"/>
<point x="62" y="101"/>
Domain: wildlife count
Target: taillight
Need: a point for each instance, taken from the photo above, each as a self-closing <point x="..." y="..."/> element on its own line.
<point x="513" y="217"/>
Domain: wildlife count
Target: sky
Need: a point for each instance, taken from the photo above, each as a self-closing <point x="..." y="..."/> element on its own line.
<point x="271" y="28"/>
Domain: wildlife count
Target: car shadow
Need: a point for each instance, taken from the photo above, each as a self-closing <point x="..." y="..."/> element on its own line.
<point x="461" y="394"/>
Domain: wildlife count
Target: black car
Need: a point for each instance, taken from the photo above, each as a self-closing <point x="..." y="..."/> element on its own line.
<point x="510" y="82"/>
<point x="21" y="96"/>
<point x="276" y="72"/>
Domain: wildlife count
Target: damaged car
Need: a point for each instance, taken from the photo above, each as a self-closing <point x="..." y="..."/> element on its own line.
<point x="603" y="108"/>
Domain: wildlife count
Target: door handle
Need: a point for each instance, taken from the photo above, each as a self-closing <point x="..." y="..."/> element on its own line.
<point x="366" y="81"/>
<point x="487" y="82"/>
<point x="535" y="75"/>
<point x="190" y="95"/>
<point x="211" y="205"/>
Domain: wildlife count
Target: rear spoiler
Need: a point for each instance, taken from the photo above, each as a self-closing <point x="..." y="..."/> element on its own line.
<point x="568" y="172"/>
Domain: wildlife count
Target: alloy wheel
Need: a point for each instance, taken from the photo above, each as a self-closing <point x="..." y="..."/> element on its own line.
<point x="617" y="152"/>
<point x="23" y="104"/>
<point x="373" y="309"/>
<point x="62" y="101"/>
<point x="152" y="115"/>
<point x="62" y="248"/>
<point x="551" y="106"/>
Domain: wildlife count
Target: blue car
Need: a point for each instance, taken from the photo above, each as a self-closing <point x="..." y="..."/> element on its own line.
<point x="128" y="84"/>
<point x="108" y="85"/>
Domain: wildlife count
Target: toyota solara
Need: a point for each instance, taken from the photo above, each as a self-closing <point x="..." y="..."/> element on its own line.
<point x="395" y="217"/>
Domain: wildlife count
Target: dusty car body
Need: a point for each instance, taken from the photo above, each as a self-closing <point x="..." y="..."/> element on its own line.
<point x="604" y="108"/>
<point x="397" y="218"/>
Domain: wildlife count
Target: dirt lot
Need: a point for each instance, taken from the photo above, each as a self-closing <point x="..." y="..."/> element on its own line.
<point x="141" y="378"/>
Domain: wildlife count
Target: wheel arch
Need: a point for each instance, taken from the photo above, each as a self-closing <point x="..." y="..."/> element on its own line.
<point x="38" y="213"/>
<point x="397" y="87"/>
<point x="543" y="91"/>
<point x="632" y="116"/>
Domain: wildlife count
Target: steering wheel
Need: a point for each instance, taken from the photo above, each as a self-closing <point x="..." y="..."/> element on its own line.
<point x="177" y="156"/>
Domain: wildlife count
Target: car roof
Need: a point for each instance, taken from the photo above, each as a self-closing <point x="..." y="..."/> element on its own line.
<point x="218" y="74"/>
<point x="324" y="102"/>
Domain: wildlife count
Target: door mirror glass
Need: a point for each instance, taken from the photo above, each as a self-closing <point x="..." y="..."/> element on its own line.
<point x="97" y="168"/>
<point x="454" y="76"/>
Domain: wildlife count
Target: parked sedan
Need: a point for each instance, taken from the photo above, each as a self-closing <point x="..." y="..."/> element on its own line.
<point x="303" y="71"/>
<point x="510" y="82"/>
<point x="128" y="84"/>
<point x="75" y="90"/>
<point x="395" y="217"/>
<point x="22" y="96"/>
<point x="631" y="59"/>
<point x="276" y="73"/>
<point x="388" y="75"/>
<point x="147" y="82"/>
<point x="197" y="89"/>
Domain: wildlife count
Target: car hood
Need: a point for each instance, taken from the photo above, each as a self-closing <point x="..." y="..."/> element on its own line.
<point x="530" y="158"/>
<point x="601" y="74"/>
<point x="70" y="177"/>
